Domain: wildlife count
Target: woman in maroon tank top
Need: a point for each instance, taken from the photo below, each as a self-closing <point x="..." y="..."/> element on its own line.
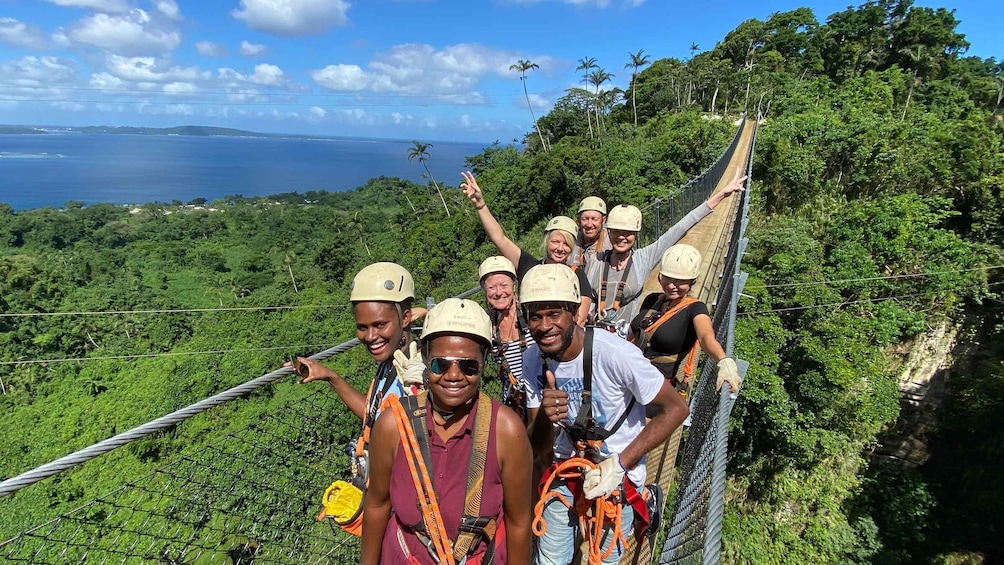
<point x="455" y="342"/>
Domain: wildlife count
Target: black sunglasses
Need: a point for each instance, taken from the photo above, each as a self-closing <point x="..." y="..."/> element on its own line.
<point x="469" y="367"/>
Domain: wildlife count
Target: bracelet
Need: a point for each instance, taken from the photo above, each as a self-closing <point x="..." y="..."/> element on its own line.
<point x="478" y="208"/>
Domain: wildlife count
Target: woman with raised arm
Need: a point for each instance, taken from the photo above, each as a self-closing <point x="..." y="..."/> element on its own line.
<point x="671" y="324"/>
<point x="421" y="507"/>
<point x="618" y="274"/>
<point x="559" y="239"/>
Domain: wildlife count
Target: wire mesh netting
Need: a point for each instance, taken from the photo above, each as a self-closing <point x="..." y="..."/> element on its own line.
<point x="696" y="522"/>
<point x="670" y="209"/>
<point x="252" y="497"/>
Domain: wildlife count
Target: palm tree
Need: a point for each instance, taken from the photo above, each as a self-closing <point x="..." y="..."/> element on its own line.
<point x="918" y="58"/>
<point x="694" y="48"/>
<point x="597" y="78"/>
<point x="587" y="64"/>
<point x="522" y="66"/>
<point x="287" y="261"/>
<point x="356" y="224"/>
<point x="420" y="151"/>
<point x="638" y="60"/>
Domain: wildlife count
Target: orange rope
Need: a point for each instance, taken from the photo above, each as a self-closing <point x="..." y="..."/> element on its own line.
<point x="604" y="509"/>
<point x="420" y="474"/>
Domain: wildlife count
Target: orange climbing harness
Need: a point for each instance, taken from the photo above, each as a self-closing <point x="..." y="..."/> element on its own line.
<point x="410" y="415"/>
<point x="619" y="295"/>
<point x="642" y="341"/>
<point x="596" y="515"/>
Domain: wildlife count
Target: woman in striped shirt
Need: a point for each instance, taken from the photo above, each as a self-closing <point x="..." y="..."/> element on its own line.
<point x="510" y="333"/>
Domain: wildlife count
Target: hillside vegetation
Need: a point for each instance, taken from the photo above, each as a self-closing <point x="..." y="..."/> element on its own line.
<point x="877" y="208"/>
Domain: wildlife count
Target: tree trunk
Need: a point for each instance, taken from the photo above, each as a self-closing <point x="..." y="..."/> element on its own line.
<point x="436" y="184"/>
<point x="290" y="267"/>
<point x="714" y="100"/>
<point x="634" y="95"/>
<point x="543" y="144"/>
<point x="909" y="95"/>
<point x="413" y="210"/>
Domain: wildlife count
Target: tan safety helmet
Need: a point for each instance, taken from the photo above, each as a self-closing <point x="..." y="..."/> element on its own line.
<point x="681" y="261"/>
<point x="593" y="203"/>
<point x="458" y="316"/>
<point x="551" y="282"/>
<point x="496" y="264"/>
<point x="624" y="217"/>
<point x="563" y="223"/>
<point x="382" y="282"/>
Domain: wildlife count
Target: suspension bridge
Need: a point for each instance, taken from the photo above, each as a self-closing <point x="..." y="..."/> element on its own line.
<point x="251" y="495"/>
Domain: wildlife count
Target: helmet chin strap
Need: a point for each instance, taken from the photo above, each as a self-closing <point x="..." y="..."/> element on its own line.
<point x="444" y="414"/>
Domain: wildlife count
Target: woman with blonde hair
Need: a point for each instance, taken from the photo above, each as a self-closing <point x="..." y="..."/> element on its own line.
<point x="559" y="240"/>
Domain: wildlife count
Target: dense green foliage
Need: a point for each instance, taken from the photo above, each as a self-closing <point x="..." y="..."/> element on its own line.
<point x="880" y="162"/>
<point x="877" y="204"/>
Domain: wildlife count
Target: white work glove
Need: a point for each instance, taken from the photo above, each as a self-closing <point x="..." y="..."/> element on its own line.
<point x="410" y="368"/>
<point x="603" y="479"/>
<point x="728" y="372"/>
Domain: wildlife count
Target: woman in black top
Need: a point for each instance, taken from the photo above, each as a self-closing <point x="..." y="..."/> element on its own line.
<point x="559" y="239"/>
<point x="671" y="324"/>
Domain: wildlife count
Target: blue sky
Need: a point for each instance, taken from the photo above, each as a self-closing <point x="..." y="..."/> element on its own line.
<point x="427" y="69"/>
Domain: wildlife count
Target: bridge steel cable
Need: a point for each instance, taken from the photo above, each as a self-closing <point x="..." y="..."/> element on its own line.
<point x="695" y="526"/>
<point x="17" y="483"/>
<point x="251" y="496"/>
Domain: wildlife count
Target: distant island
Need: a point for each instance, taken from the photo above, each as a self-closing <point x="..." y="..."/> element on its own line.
<point x="197" y="131"/>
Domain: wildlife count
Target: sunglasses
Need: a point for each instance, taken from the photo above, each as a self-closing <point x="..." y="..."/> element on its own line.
<point x="469" y="367"/>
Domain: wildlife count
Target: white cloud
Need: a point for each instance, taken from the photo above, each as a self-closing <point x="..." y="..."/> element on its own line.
<point x="170" y="9"/>
<point x="179" y="109"/>
<point x="317" y="112"/>
<point x="151" y="69"/>
<point x="267" y="75"/>
<point x="37" y="78"/>
<point x="133" y="33"/>
<point x="342" y="77"/>
<point x="451" y="74"/>
<point x="106" y="6"/>
<point x="105" y="81"/>
<point x="538" y="102"/>
<point x="210" y="49"/>
<point x="20" y="34"/>
<point x="68" y="106"/>
<point x="181" y="88"/>
<point x="264" y="75"/>
<point x="249" y="49"/>
<point x="292" y="18"/>
<point x="38" y="71"/>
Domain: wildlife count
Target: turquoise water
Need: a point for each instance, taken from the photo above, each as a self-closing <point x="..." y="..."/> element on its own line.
<point x="52" y="169"/>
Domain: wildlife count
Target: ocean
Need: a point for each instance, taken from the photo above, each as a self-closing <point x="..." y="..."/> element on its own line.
<point x="55" y="168"/>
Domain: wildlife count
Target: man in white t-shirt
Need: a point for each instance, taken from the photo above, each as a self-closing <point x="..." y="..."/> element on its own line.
<point x="622" y="383"/>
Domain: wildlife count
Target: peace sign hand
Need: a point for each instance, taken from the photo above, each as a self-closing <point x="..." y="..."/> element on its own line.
<point x="471" y="190"/>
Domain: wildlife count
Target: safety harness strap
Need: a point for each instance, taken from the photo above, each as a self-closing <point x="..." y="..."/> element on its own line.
<point x="585" y="425"/>
<point x="643" y="339"/>
<point x="619" y="296"/>
<point x="473" y="526"/>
